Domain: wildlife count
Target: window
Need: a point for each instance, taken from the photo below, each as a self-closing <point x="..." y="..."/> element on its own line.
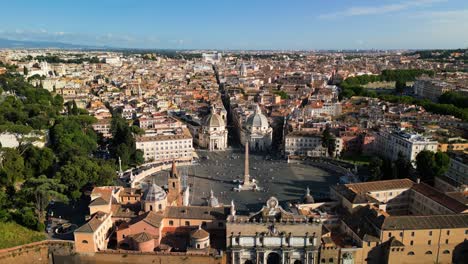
<point x="428" y="242"/>
<point x="198" y="245"/>
<point x="412" y="234"/>
<point x="84" y="241"/>
<point x="446" y="241"/>
<point x="389" y="234"/>
<point x="171" y="223"/>
<point x="446" y="252"/>
<point x="411" y="242"/>
<point x="323" y="260"/>
<point x="330" y="260"/>
<point x="428" y="252"/>
<point x="203" y="224"/>
<point x="411" y="253"/>
<point x="151" y="208"/>
<point x="448" y="232"/>
<point x="187" y="223"/>
<point x="401" y="234"/>
<point x="160" y="206"/>
<point x="430" y="233"/>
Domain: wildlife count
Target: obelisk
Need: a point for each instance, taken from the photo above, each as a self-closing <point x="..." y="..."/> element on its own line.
<point x="246" y="165"/>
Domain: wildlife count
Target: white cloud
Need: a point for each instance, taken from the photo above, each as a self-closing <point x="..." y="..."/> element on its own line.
<point x="375" y="10"/>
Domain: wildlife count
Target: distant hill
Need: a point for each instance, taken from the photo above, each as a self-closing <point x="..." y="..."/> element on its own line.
<point x="31" y="44"/>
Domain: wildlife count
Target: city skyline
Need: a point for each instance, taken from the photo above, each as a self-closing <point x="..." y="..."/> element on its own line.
<point x="407" y="24"/>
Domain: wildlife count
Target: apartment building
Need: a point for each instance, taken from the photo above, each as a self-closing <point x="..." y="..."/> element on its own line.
<point x="166" y="145"/>
<point x="303" y="143"/>
<point x="401" y="221"/>
<point x="390" y="144"/>
<point x="430" y="88"/>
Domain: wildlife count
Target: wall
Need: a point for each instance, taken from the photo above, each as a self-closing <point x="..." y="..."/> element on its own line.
<point x="36" y="253"/>
<point x="128" y="257"/>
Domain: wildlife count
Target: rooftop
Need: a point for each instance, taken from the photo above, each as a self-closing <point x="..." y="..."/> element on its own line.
<point x="425" y="222"/>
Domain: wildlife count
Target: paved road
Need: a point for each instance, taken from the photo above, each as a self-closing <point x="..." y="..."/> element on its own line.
<point x="285" y="181"/>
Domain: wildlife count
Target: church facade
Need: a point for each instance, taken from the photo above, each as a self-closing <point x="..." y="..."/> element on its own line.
<point x="257" y="131"/>
<point x="213" y="134"/>
<point x="272" y="235"/>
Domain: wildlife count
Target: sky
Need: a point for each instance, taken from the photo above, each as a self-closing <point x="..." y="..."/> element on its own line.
<point x="241" y="24"/>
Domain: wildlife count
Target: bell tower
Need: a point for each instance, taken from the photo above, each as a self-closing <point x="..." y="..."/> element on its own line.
<point x="174" y="186"/>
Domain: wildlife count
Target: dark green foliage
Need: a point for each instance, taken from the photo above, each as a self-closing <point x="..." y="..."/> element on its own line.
<point x="57" y="59"/>
<point x="11" y="167"/>
<point x="430" y="165"/>
<point x="455" y="98"/>
<point x="329" y="141"/>
<point x="375" y="166"/>
<point x="73" y="135"/>
<point x="406" y="75"/>
<point x="123" y="142"/>
<point x="81" y="171"/>
<point x="59" y="171"/>
<point x="400" y="86"/>
<point x="39" y="161"/>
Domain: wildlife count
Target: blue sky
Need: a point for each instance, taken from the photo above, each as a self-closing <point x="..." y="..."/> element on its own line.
<point x="229" y="24"/>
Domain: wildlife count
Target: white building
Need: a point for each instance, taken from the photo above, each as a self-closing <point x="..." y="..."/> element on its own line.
<point x="389" y="144"/>
<point x="257" y="131"/>
<point x="212" y="57"/>
<point x="327" y="108"/>
<point x="167" y="145"/>
<point x="301" y="143"/>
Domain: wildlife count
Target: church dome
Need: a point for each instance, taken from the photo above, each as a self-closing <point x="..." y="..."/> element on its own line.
<point x="257" y="119"/>
<point x="155" y="194"/>
<point x="214" y="120"/>
<point x="199" y="234"/>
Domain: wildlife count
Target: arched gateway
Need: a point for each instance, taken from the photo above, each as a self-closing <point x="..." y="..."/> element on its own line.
<point x="273" y="258"/>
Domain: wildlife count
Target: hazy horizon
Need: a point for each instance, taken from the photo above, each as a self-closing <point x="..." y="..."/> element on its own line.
<point x="242" y="25"/>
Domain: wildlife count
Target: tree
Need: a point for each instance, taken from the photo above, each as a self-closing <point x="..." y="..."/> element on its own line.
<point x="25" y="71"/>
<point x="400" y="86"/>
<point x="375" y="166"/>
<point x="42" y="191"/>
<point x="329" y="141"/>
<point x="83" y="171"/>
<point x="123" y="143"/>
<point x="441" y="163"/>
<point x="430" y="165"/>
<point x="39" y="161"/>
<point x="402" y="167"/>
<point x="11" y="166"/>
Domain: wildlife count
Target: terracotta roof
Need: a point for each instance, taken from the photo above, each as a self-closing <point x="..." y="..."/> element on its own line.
<point x="93" y="224"/>
<point x="439" y="197"/>
<point x="98" y="201"/>
<point x="425" y="222"/>
<point x="142" y="237"/>
<point x="153" y="219"/>
<point x="365" y="187"/>
<point x="199" y="234"/>
<point x="197" y="212"/>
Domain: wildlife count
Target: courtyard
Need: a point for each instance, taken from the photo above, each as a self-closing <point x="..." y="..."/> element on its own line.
<point x="218" y="171"/>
